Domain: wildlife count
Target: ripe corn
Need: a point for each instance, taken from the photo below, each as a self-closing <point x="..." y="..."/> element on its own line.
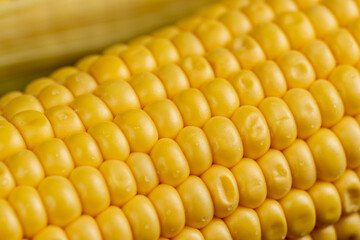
<point x="241" y="122"/>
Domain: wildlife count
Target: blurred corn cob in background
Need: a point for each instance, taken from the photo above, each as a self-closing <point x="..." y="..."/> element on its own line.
<point x="38" y="36"/>
<point x="241" y="122"/>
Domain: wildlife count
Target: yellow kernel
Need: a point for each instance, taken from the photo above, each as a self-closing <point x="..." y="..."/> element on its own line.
<point x="11" y="140"/>
<point x="259" y="12"/>
<point x="271" y="78"/>
<point x="301" y="164"/>
<point x="173" y="78"/>
<point x="281" y="122"/>
<point x="276" y="172"/>
<point x="189" y="233"/>
<point x="62" y="73"/>
<point x="138" y="59"/>
<point x="108" y="67"/>
<point x="223" y="189"/>
<point x="253" y="130"/>
<point x="26" y="168"/>
<point x="163" y="50"/>
<point x="35" y="86"/>
<point x="346" y="80"/>
<point x="92" y="189"/>
<point x="111" y="141"/>
<point x="236" y="22"/>
<point x="54" y="95"/>
<point x="64" y="121"/>
<point x="193" y="107"/>
<point x="7" y="182"/>
<point x="248" y="87"/>
<point x="166" y="117"/>
<point x="84" y="63"/>
<point x="297" y="27"/>
<point x="225" y="141"/>
<point x="305" y="111"/>
<point x="84" y="227"/>
<point x="119" y="181"/>
<point x="344" y="10"/>
<point x="7" y="97"/>
<point x="60" y="199"/>
<point x="298" y="71"/>
<point x="187" y="44"/>
<point x="84" y="150"/>
<point x="33" y="126"/>
<point x="144" y="172"/>
<point x="166" y="32"/>
<point x="271" y="38"/>
<point x="20" y="104"/>
<point x="328" y="101"/>
<point x="148" y="88"/>
<point x="322" y="19"/>
<point x="348" y="227"/>
<point x="169" y="208"/>
<point x="115" y="49"/>
<point x="216" y="229"/>
<point x="247" y="51"/>
<point x="223" y="62"/>
<point x="327" y="203"/>
<point x="328" y="153"/>
<point x="170" y="162"/>
<point x="348" y="187"/>
<point x="142" y="217"/>
<point x="244" y="223"/>
<point x="325" y="233"/>
<point x="118" y="96"/>
<point x="80" y="83"/>
<point x="221" y="96"/>
<point x="344" y="46"/>
<point x="51" y="232"/>
<point x="197" y="69"/>
<point x="281" y="6"/>
<point x="138" y="128"/>
<point x="272" y="220"/>
<point x="320" y="57"/>
<point x="113" y="224"/>
<point x="54" y="157"/>
<point x="299" y="211"/>
<point x="251" y="183"/>
<point x="196" y="148"/>
<point x="213" y="34"/>
<point x="91" y="109"/>
<point x="28" y="206"/>
<point x="348" y="132"/>
<point x="10" y="227"/>
<point x="198" y="205"/>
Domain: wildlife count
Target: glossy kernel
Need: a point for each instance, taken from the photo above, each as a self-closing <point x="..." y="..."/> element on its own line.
<point x="322" y="19"/>
<point x="170" y="162"/>
<point x="224" y="140"/>
<point x="213" y="34"/>
<point x="251" y="183"/>
<point x="138" y="128"/>
<point x="216" y="229"/>
<point x="223" y="62"/>
<point x="108" y="67"/>
<point x="54" y="95"/>
<point x="221" y="96"/>
<point x="348" y="187"/>
<point x="14" y="141"/>
<point x="197" y="69"/>
<point x="223" y="189"/>
<point x="20" y="104"/>
<point x="7" y="182"/>
<point x="10" y="227"/>
<point x="280" y="121"/>
<point x="328" y="153"/>
<point x="187" y="44"/>
<point x="83" y="228"/>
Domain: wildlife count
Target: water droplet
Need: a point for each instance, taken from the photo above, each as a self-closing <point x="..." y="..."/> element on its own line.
<point x="1" y="126"/>
<point x="21" y="122"/>
<point x="128" y="189"/>
<point x="301" y="163"/>
<point x="283" y="172"/>
<point x="55" y="92"/>
<point x="312" y="125"/>
<point x="231" y="207"/>
<point x="57" y="155"/>
<point x="147" y="226"/>
<point x="63" y="116"/>
<point x="204" y="219"/>
<point x="334" y="106"/>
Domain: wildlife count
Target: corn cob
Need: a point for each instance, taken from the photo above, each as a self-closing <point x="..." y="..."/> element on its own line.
<point x="241" y="122"/>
